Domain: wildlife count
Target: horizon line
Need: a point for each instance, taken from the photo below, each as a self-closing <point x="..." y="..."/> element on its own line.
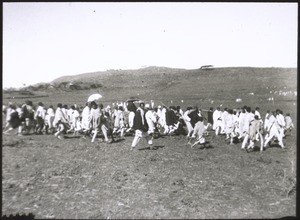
<point x="143" y="67"/>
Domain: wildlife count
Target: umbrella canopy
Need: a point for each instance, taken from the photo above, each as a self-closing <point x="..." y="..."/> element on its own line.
<point x="133" y="99"/>
<point x="94" y="97"/>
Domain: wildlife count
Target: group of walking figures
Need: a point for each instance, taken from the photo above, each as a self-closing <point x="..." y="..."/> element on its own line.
<point x="140" y="120"/>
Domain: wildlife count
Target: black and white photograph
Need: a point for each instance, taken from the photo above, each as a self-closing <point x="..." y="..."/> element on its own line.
<point x="149" y="110"/>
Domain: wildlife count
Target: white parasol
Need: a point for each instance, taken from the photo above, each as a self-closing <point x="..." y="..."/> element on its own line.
<point x="94" y="97"/>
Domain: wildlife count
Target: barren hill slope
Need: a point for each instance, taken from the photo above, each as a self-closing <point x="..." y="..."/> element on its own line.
<point x="167" y="84"/>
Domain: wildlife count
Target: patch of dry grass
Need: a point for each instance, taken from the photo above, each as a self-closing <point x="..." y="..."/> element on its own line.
<point x="74" y="178"/>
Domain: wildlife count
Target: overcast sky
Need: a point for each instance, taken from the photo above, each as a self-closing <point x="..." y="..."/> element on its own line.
<point x="43" y="41"/>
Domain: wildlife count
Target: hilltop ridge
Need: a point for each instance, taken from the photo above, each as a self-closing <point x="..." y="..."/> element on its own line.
<point x="115" y="72"/>
<point x="167" y="84"/>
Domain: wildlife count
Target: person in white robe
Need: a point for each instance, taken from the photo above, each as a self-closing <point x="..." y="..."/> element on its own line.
<point x="159" y="114"/>
<point x="242" y="117"/>
<point x="8" y="112"/>
<point x="95" y="114"/>
<point x="39" y="116"/>
<point x="256" y="112"/>
<point x="255" y="129"/>
<point x="246" y="128"/>
<point x="236" y="122"/>
<point x="266" y="121"/>
<point x="217" y="118"/>
<point x="151" y="121"/>
<point x="224" y="116"/>
<point x="163" y="122"/>
<point x="59" y="121"/>
<point x="119" y="126"/>
<point x="64" y="109"/>
<point x="198" y="133"/>
<point x="70" y="114"/>
<point x="229" y="125"/>
<point x="273" y="131"/>
<point x="187" y="121"/>
<point x="59" y="115"/>
<point x="78" y="126"/>
<point x="289" y="125"/>
<point x="73" y="117"/>
<point x="49" y="118"/>
<point x="86" y="118"/>
<point x="280" y="121"/>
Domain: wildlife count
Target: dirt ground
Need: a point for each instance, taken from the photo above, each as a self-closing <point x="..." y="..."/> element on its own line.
<point x="74" y="178"/>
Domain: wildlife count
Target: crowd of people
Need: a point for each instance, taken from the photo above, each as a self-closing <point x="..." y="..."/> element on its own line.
<point x="143" y="120"/>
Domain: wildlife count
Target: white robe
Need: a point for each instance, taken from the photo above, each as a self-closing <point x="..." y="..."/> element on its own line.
<point x="273" y="129"/>
<point x="229" y="123"/>
<point x="224" y="116"/>
<point x="151" y="120"/>
<point x="162" y="120"/>
<point x="217" y="118"/>
<point x="40" y="112"/>
<point x="86" y="118"/>
<point x="95" y="117"/>
<point x="119" y="119"/>
<point x="281" y="124"/>
<point x="266" y="122"/>
<point x="8" y="113"/>
<point x="59" y="115"/>
<point x="187" y="121"/>
<point x="288" y="122"/>
<point x="49" y="118"/>
<point x="130" y="119"/>
<point x="248" y="118"/>
<point x="75" y="117"/>
<point x="257" y="113"/>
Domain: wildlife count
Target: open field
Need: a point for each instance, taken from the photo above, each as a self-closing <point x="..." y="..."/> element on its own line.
<point x="74" y="178"/>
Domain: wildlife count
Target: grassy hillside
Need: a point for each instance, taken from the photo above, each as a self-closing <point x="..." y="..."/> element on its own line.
<point x="170" y="86"/>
